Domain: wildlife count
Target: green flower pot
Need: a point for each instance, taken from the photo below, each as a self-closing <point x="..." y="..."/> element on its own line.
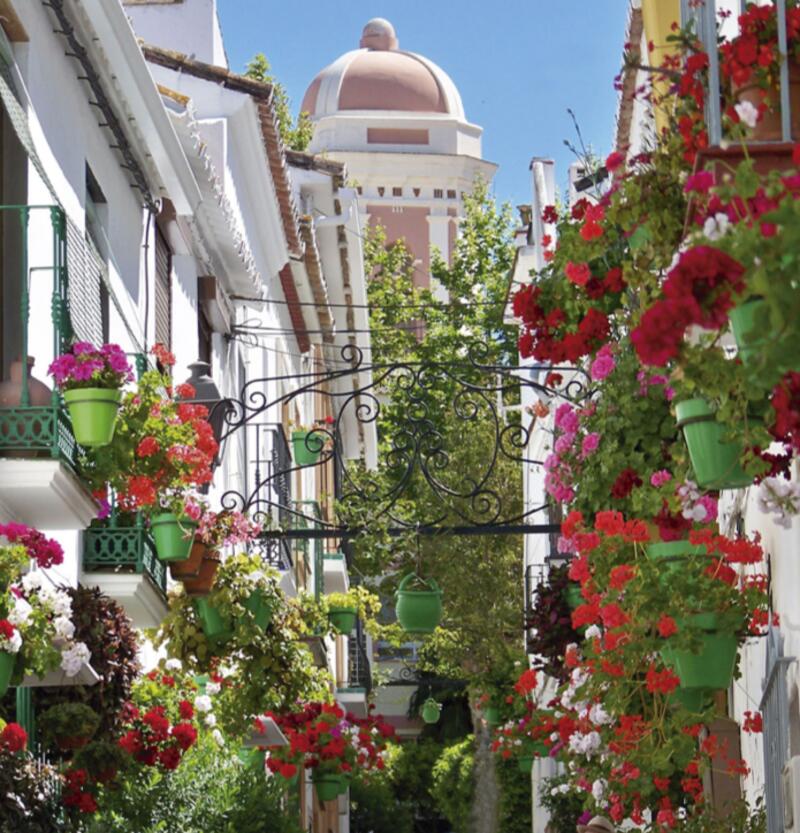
<point x="343" y="619"/>
<point x="174" y="536"/>
<point x="93" y="413"/>
<point x="692" y="699"/>
<point x="327" y="786"/>
<point x="573" y="595"/>
<point x="525" y="764"/>
<point x="344" y="784"/>
<point x="261" y="608"/>
<point x="714" y="460"/>
<point x="215" y="626"/>
<point x="711" y="668"/>
<point x="671" y="556"/>
<point x="743" y="323"/>
<point x="252" y="757"/>
<point x="7" y="663"/>
<point x="491" y="714"/>
<point x="418" y="611"/>
<point x="431" y="710"/>
<point x="307" y="447"/>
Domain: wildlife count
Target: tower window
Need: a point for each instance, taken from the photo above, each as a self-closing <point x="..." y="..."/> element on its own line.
<point x="381" y="190"/>
<point x="397" y="192"/>
<point x="451" y="194"/>
<point x="438" y="193"/>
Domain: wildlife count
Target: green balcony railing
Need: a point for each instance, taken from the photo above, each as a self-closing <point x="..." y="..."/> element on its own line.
<point x="114" y="547"/>
<point x="304" y="509"/>
<point x="27" y="429"/>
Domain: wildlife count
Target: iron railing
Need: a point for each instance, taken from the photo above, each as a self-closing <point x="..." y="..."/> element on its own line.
<point x="704" y="17"/>
<point x="359" y="670"/>
<point x="25" y="428"/>
<point x="114" y="547"/>
<point x="304" y="509"/>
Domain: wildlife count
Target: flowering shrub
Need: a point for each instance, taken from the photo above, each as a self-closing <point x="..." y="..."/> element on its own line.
<point x="326" y="739"/>
<point x="162" y="449"/>
<point x="87" y="366"/>
<point x="46" y="552"/>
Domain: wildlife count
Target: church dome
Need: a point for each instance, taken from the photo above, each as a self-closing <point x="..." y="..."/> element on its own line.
<point x="380" y="76"/>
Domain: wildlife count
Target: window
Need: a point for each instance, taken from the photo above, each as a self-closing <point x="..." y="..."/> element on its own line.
<point x="438" y="193"/>
<point x="417" y="191"/>
<point x="397" y="192"/>
<point x="162" y="295"/>
<point x="381" y="190"/>
<point x="451" y="194"/>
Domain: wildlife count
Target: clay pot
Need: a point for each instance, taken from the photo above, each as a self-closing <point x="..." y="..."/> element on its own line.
<point x="201" y="584"/>
<point x="768" y="128"/>
<point x="11" y="389"/>
<point x="190" y="568"/>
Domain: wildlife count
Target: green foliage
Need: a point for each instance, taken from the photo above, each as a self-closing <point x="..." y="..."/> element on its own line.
<point x="367" y="604"/>
<point x="740" y="818"/>
<point x="296" y="135"/>
<point x="515" y="797"/>
<point x="454" y="783"/>
<point x="68" y="721"/>
<point x="375" y="806"/>
<point x="270" y="668"/>
<point x="211" y="792"/>
<point x="563" y="804"/>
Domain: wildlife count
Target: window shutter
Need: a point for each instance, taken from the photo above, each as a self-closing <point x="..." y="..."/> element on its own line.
<point x="163" y="291"/>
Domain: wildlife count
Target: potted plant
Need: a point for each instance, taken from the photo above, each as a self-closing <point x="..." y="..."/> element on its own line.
<point x="431" y="710"/>
<point x="90" y="380"/>
<point x="102" y="760"/>
<point x="309" y="443"/>
<point x="418" y="604"/>
<point x="344" y="609"/>
<point x="69" y="726"/>
<point x="163" y="450"/>
<point x="10" y="644"/>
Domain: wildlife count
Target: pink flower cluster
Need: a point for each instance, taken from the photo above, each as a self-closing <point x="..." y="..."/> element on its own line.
<point x="88" y="366"/>
<point x="44" y="551"/>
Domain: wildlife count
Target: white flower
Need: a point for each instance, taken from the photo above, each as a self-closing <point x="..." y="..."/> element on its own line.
<point x="73" y="657"/>
<point x="563" y="788"/>
<point x="211" y="720"/>
<point x="12" y="644"/>
<point x="781" y="498"/>
<point x="716" y="226"/>
<point x="203" y="703"/>
<point x="599" y="716"/>
<point x="173" y="664"/>
<point x="585" y="744"/>
<point x="64" y="627"/>
<point x="213" y="688"/>
<point x="599" y="789"/>
<point x="21" y="613"/>
<point x="32" y="581"/>
<point x="593" y="632"/>
<point x="747" y="112"/>
<point x="59" y="601"/>
<point x="217" y="735"/>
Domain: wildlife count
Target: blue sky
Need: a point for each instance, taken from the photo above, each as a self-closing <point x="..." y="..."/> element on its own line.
<point x="517" y="63"/>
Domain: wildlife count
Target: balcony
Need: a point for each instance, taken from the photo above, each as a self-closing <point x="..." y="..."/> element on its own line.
<point x="121" y="560"/>
<point x="39" y="484"/>
<point x="336" y="579"/>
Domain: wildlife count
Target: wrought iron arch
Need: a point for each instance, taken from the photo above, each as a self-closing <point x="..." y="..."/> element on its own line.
<point x="417" y="454"/>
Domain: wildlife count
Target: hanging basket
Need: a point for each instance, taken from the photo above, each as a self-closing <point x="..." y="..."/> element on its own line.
<point x="573" y="595"/>
<point x="174" y="536"/>
<point x="7" y="663"/>
<point x="343" y="619"/>
<point x="431" y="710"/>
<point x="711" y="668"/>
<point x="307" y="447"/>
<point x="747" y="324"/>
<point x="672" y="556"/>
<point x="418" y="611"/>
<point x="260" y="607"/>
<point x="715" y="460"/>
<point x="201" y="583"/>
<point x="327" y="786"/>
<point x="491" y="714"/>
<point x="93" y="413"/>
<point x="215" y="626"/>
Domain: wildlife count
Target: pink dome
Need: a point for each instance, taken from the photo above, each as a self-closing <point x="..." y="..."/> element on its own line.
<point x="380" y="76"/>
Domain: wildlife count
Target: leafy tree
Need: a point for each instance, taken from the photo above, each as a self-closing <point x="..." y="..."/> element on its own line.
<point x="296" y="134"/>
<point x="454" y="784"/>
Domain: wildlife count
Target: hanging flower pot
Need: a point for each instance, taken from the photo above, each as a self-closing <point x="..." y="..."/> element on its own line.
<point x="252" y="757"/>
<point x="307" y="447"/>
<point x="215" y="625"/>
<point x="7" y="663"/>
<point x="418" y="611"/>
<point x="573" y="595"/>
<point x="671" y="556"/>
<point x="491" y="714"/>
<point x="713" y="665"/>
<point x="201" y="583"/>
<point x="261" y="608"/>
<point x="714" y="459"/>
<point x="93" y="412"/>
<point x="525" y="764"/>
<point x="173" y="535"/>
<point x="190" y="568"/>
<point x="692" y="699"/>
<point x="343" y="619"/>
<point x="344" y="783"/>
<point x="746" y="322"/>
<point x="327" y="785"/>
<point x="431" y="710"/>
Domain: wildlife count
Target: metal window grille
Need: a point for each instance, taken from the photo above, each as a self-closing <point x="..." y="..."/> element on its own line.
<point x="775" y="709"/>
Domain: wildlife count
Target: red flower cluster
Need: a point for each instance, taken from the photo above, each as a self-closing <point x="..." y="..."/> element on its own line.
<point x="77" y="791"/>
<point x="44" y="551"/>
<point x="152" y="740"/>
<point x="699" y="290"/>
<point x="786" y="404"/>
<point x="13" y="738"/>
